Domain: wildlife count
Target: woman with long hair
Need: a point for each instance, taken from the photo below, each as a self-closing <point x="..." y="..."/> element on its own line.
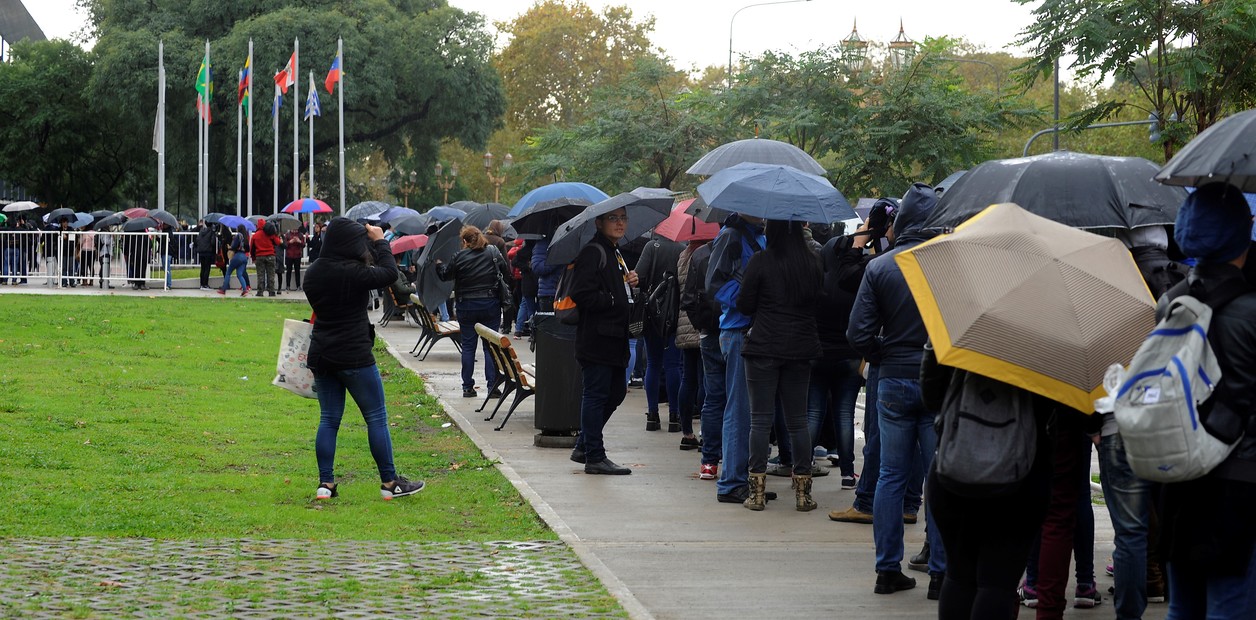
<point x="779" y="292"/>
<point x="237" y="262"/>
<point x="476" y="270"/>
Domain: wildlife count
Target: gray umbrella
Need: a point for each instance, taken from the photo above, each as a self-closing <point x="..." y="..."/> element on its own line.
<point x="441" y="245"/>
<point x="1225" y="152"/>
<point x="117" y="219"/>
<point x="284" y="221"/>
<point x="759" y="151"/>
<point x="479" y="215"/>
<point x="416" y="225"/>
<point x="363" y="209"/>
<point x="60" y="214"/>
<point x="646" y="207"/>
<point x="705" y="212"/>
<point x="165" y="217"/>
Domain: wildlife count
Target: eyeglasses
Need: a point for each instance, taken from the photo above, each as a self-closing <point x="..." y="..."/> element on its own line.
<point x="615" y="219"/>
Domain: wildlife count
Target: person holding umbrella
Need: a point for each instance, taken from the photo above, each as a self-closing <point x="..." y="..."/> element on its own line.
<point x="238" y="261"/>
<point x="476" y="271"/>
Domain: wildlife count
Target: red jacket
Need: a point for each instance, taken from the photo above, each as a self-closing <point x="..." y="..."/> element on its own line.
<point x="263" y="244"/>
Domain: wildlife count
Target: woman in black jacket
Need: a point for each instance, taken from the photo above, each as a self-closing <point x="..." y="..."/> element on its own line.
<point x="475" y="270"/>
<point x="779" y="292"/>
<point x="355" y="260"/>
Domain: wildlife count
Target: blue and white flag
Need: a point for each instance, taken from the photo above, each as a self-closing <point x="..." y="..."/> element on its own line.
<point x="311" y="106"/>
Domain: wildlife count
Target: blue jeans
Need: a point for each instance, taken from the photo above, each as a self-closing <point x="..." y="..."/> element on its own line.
<point x="601" y="392"/>
<point x="367" y="390"/>
<point x="239" y="265"/>
<point x="483" y="310"/>
<point x="736" y="435"/>
<point x="11" y="260"/>
<point x="1128" y="498"/>
<point x="866" y="490"/>
<point x="905" y="427"/>
<point x="691" y="393"/>
<point x="526" y="308"/>
<point x="169" y="276"/>
<point x="1195" y="594"/>
<point x="632" y="359"/>
<point x="662" y="361"/>
<point x="834" y="388"/>
<point x="713" y="402"/>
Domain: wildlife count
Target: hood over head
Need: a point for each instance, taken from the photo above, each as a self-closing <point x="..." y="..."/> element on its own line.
<point x="914" y="209"/>
<point x="344" y="239"/>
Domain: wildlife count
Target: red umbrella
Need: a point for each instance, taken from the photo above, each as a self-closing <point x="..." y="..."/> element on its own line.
<point x="307" y="205"/>
<point x="136" y="212"/>
<point x="681" y="226"/>
<point x="407" y="243"/>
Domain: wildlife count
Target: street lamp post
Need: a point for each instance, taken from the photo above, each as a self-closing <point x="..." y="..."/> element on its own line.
<point x="901" y="48"/>
<point x="446" y="184"/>
<point x="497" y="179"/>
<point x="406" y="188"/>
<point x="730" y="32"/>
<point x="854" y="48"/>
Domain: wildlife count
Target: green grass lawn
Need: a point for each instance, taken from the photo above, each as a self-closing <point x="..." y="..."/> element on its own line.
<point x="156" y="418"/>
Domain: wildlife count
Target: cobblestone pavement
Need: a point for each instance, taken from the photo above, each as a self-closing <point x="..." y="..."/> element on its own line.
<point x="258" y="579"/>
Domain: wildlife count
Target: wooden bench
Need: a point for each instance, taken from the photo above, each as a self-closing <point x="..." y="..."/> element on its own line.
<point x="401" y="306"/>
<point x="433" y="331"/>
<point x="512" y="376"/>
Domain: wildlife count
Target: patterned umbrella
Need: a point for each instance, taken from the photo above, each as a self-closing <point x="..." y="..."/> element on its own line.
<point x="307" y="205"/>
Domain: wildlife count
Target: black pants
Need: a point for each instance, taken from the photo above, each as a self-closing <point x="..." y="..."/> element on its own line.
<point x="293" y="266"/>
<point x="207" y="263"/>
<point x="987" y="543"/>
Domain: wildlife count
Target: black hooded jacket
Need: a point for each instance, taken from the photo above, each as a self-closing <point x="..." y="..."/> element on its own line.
<point x="338" y="287"/>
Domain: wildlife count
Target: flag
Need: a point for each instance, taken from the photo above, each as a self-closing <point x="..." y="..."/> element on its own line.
<point x="311" y="106"/>
<point x="333" y="76"/>
<point x="277" y="104"/>
<point x="246" y="83"/>
<point x="287" y="77"/>
<point x="204" y="90"/>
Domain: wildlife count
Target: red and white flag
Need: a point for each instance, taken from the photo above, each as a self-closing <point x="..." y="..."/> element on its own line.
<point x="287" y="77"/>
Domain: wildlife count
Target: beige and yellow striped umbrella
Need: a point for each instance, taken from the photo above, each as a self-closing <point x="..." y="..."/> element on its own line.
<point x="1022" y="299"/>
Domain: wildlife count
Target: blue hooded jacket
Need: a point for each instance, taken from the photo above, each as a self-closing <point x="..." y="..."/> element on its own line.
<point x="737" y="242"/>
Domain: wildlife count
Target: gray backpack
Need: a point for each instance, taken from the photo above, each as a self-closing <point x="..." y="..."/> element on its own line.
<point x="988" y="437"/>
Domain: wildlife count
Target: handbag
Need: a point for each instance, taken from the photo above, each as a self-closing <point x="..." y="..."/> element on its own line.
<point x="636" y="314"/>
<point x="292" y="372"/>
<point x="504" y="296"/>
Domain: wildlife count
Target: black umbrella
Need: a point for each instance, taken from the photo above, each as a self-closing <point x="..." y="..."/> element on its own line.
<point x="410" y="225"/>
<point x="117" y="219"/>
<point x="101" y="214"/>
<point x="465" y="206"/>
<point x="165" y="217"/>
<point x="61" y="214"/>
<point x="759" y="151"/>
<point x="479" y="215"/>
<point x="705" y="212"/>
<point x="139" y="224"/>
<point x="1074" y="189"/>
<point x="441" y="245"/>
<point x="284" y="221"/>
<point x="1224" y="152"/>
<point x="645" y="206"/>
<point x="543" y="218"/>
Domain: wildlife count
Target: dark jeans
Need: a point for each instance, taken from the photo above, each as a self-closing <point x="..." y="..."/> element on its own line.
<point x="766" y="379"/>
<point x="292" y="267"/>
<point x="603" y="389"/>
<point x="471" y="311"/>
<point x="866" y="490"/>
<point x="987" y="542"/>
<point x="662" y="362"/>
<point x="367" y="389"/>
<point x="833" y="391"/>
<point x="1129" y="505"/>
<point x="207" y="264"/>
<point x="713" y="402"/>
<point x="691" y="390"/>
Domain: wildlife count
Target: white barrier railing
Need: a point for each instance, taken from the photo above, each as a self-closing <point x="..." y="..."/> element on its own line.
<point x="79" y="258"/>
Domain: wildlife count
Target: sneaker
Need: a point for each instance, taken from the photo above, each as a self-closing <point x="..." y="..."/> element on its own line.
<point x="849" y="482"/>
<point x="204" y="288"/>
<point x="708" y="472"/>
<point x="1028" y="595"/>
<point x="889" y="582"/>
<point x="690" y="443"/>
<point x="635" y="383"/>
<point x="222" y="292"/>
<point x="468" y="393"/>
<point x="820" y="452"/>
<point x="400" y="488"/>
<point x="851" y="515"/>
<point x="244" y="293"/>
<point x="1086" y="596"/>
<point x="1109" y="568"/>
<point x="326" y="491"/>
<point x="817" y="472"/>
<point x="1155" y="591"/>
<point x="776" y="469"/>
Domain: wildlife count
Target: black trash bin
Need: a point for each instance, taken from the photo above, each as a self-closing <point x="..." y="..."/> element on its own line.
<point x="557" y="415"/>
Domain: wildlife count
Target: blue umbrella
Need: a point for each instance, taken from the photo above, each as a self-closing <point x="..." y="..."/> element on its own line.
<point x="554" y="191"/>
<point x="231" y="221"/>
<point x="776" y="192"/>
<point x="440" y="214"/>
<point x="81" y="220"/>
<point x="397" y="213"/>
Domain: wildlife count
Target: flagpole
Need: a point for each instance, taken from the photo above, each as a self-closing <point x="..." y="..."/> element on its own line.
<point x="249" y="111"/>
<point x="239" y="151"/>
<point x="274" y="123"/>
<point x="340" y="42"/>
<point x="296" y="119"/>
<point x="313" y="93"/>
<point x="210" y="74"/>
<point x="161" y="125"/>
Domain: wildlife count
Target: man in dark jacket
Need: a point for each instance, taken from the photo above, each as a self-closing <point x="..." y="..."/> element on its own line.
<point x="547" y="276"/>
<point x="1208" y="538"/>
<point x="600" y="287"/>
<point x="886" y="328"/>
<point x="662" y="358"/>
<point x="206" y="251"/>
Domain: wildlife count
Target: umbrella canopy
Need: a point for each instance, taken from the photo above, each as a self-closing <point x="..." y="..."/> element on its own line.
<point x="101" y="214"/>
<point x="405" y="244"/>
<point x="440" y="214"/>
<point x="479" y="215"/>
<point x="543" y="218"/>
<point x="362" y="210"/>
<point x="646" y="207"/>
<point x="1225" y="151"/>
<point x="307" y="205"/>
<point x="1075" y="189"/>
<point x="776" y="192"/>
<point x="441" y="245"/>
<point x="232" y="221"/>
<point x="1030" y="302"/>
<point x="463" y="205"/>
<point x="396" y="213"/>
<point x="165" y="217"/>
<point x="139" y="224"/>
<point x="284" y="222"/>
<point x="212" y="218"/>
<point x="135" y="212"/>
<point x="757" y="150"/>
<point x="57" y="215"/>
<point x="944" y="185"/>
<point x="24" y="205"/>
<point x="411" y="225"/>
<point x="555" y="191"/>
<point x="117" y="219"/>
<point x="82" y="220"/>
<point x="683" y="226"/>
<point x="705" y="212"/>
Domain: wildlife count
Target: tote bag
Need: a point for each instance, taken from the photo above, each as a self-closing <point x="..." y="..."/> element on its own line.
<point x="292" y="373"/>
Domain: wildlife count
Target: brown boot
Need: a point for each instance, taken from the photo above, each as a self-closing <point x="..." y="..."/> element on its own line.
<point x="757" y="499"/>
<point x="802" y="493"/>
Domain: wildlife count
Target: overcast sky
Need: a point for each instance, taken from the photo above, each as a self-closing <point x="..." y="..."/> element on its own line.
<point x="695" y="33"/>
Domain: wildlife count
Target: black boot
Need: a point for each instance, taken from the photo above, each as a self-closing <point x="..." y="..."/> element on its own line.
<point x="673" y="423"/>
<point x="889" y="582"/>
<point x="652" y="421"/>
<point x="920" y="561"/>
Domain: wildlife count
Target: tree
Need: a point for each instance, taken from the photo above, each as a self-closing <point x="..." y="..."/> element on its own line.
<point x="560" y="53"/>
<point x="1189" y="58"/>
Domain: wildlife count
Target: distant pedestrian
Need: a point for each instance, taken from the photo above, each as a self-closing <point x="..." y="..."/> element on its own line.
<point x="475" y="270"/>
<point x="263" y="247"/>
<point x="206" y="244"/>
<point x="294" y="248"/>
<point x="237" y="261"/>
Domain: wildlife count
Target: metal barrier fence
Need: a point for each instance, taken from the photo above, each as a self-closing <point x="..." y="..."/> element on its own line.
<point x="82" y="258"/>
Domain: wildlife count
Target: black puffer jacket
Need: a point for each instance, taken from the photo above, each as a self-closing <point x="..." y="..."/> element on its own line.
<point x="473" y="271"/>
<point x="338" y="286"/>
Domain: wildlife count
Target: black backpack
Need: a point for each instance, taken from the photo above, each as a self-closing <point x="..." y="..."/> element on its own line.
<point x="703" y="312"/>
<point x="662" y="306"/>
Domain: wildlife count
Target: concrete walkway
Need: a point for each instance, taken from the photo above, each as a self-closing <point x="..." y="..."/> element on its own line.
<point x="658" y="539"/>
